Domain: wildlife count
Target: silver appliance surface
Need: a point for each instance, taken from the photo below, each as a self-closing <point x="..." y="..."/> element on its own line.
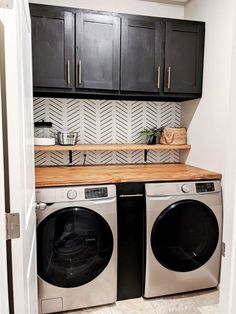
<point x="60" y="286"/>
<point x="67" y="138"/>
<point x="183" y="236"/>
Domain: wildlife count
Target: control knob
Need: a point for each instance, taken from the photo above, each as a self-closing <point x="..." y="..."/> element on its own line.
<point x="71" y="194"/>
<point x="185" y="188"/>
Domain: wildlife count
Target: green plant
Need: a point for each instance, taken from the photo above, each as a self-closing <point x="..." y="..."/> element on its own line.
<point x="152" y="133"/>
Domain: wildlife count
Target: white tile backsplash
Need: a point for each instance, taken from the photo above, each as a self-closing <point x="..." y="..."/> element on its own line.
<point x="106" y="121"/>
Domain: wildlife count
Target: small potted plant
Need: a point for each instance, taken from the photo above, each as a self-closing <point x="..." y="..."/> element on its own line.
<point x="152" y="135"/>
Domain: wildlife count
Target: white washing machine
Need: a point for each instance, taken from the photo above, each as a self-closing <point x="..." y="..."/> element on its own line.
<point x="183" y="237"/>
<point x="76" y="247"/>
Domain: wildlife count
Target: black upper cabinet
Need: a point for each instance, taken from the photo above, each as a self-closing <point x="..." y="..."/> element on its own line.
<point x="184" y="44"/>
<point x="97" y="51"/>
<point x="164" y="58"/>
<point x="141" y="54"/>
<point x="53" y="48"/>
<point x="100" y="54"/>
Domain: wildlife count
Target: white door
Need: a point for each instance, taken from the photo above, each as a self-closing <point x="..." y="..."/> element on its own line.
<point x="19" y="117"/>
<point x="3" y="256"/>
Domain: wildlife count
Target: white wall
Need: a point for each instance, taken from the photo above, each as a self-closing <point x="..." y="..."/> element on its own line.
<point x="206" y="118"/>
<point x="122" y="6"/>
<point x="229" y="269"/>
<point x="211" y="120"/>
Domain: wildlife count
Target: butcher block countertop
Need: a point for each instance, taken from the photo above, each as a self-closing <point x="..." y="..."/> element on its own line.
<point x="100" y="174"/>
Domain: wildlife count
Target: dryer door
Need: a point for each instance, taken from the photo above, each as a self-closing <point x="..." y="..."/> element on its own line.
<point x="185" y="235"/>
<point x="74" y="246"/>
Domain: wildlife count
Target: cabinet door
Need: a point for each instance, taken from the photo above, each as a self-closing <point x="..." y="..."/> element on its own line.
<point x="97" y="51"/>
<point x="141" y="54"/>
<point x="184" y="46"/>
<point x="53" y="48"/>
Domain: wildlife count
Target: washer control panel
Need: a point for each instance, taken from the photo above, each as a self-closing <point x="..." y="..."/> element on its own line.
<point x="205" y="187"/>
<point x="75" y="193"/>
<point x="98" y="192"/>
<point x="72" y="194"/>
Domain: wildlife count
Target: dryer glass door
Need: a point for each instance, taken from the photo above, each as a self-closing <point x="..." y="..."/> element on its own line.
<point x="185" y="235"/>
<point x="74" y="246"/>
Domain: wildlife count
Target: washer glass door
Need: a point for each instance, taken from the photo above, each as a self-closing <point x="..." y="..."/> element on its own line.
<point x="74" y="245"/>
<point x="185" y="235"/>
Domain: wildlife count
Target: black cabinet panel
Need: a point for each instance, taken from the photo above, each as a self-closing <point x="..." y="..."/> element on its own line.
<point x="184" y="46"/>
<point x="84" y="53"/>
<point x="53" y="48"/>
<point x="97" y="51"/>
<point x="141" y="54"/>
<point x="130" y="214"/>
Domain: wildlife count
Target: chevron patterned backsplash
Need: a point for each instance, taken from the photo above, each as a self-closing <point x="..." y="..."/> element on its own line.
<point x="106" y="121"/>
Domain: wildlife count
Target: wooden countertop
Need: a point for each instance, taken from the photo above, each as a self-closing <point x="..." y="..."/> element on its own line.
<point x="100" y="174"/>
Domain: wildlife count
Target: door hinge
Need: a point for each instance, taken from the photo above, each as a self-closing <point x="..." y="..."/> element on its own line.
<point x="12" y="226"/>
<point x="6" y="4"/>
<point x="223" y="249"/>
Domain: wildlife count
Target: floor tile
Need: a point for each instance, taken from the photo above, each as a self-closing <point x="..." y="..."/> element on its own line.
<point x="200" y="302"/>
<point x="212" y="309"/>
<point x="93" y="310"/>
<point x="133" y="306"/>
<point x="172" y="304"/>
<point x="183" y="311"/>
<point x="206" y="297"/>
<point x="186" y="302"/>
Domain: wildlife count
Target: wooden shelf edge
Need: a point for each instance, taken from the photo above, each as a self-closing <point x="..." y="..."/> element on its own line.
<point x="110" y="147"/>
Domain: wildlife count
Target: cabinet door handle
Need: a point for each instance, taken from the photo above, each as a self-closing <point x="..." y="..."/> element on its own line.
<point x="68" y="72"/>
<point x="80" y="72"/>
<point x="130" y="195"/>
<point x="169" y="78"/>
<point x="158" y="76"/>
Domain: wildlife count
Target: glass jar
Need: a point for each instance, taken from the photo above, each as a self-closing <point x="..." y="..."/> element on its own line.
<point x="44" y="133"/>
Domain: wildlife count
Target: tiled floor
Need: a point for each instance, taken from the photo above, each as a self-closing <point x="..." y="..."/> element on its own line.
<point x="203" y="302"/>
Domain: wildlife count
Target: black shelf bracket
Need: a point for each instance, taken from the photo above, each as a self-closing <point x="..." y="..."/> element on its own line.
<point x="70" y="156"/>
<point x="145" y="155"/>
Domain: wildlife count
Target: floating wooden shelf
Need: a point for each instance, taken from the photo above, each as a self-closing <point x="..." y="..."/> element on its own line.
<point x="110" y="147"/>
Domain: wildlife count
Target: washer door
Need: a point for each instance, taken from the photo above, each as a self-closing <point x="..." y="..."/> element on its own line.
<point x="74" y="245"/>
<point x="185" y="235"/>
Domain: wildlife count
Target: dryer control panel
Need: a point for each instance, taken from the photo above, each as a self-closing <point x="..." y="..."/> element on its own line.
<point x="98" y="192"/>
<point x="205" y="187"/>
<point x="181" y="188"/>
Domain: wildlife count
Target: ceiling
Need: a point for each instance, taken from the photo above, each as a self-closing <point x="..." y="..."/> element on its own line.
<point x="181" y="2"/>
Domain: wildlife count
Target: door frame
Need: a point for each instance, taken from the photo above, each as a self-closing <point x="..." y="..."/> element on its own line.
<point x="4" y="300"/>
<point x="228" y="269"/>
